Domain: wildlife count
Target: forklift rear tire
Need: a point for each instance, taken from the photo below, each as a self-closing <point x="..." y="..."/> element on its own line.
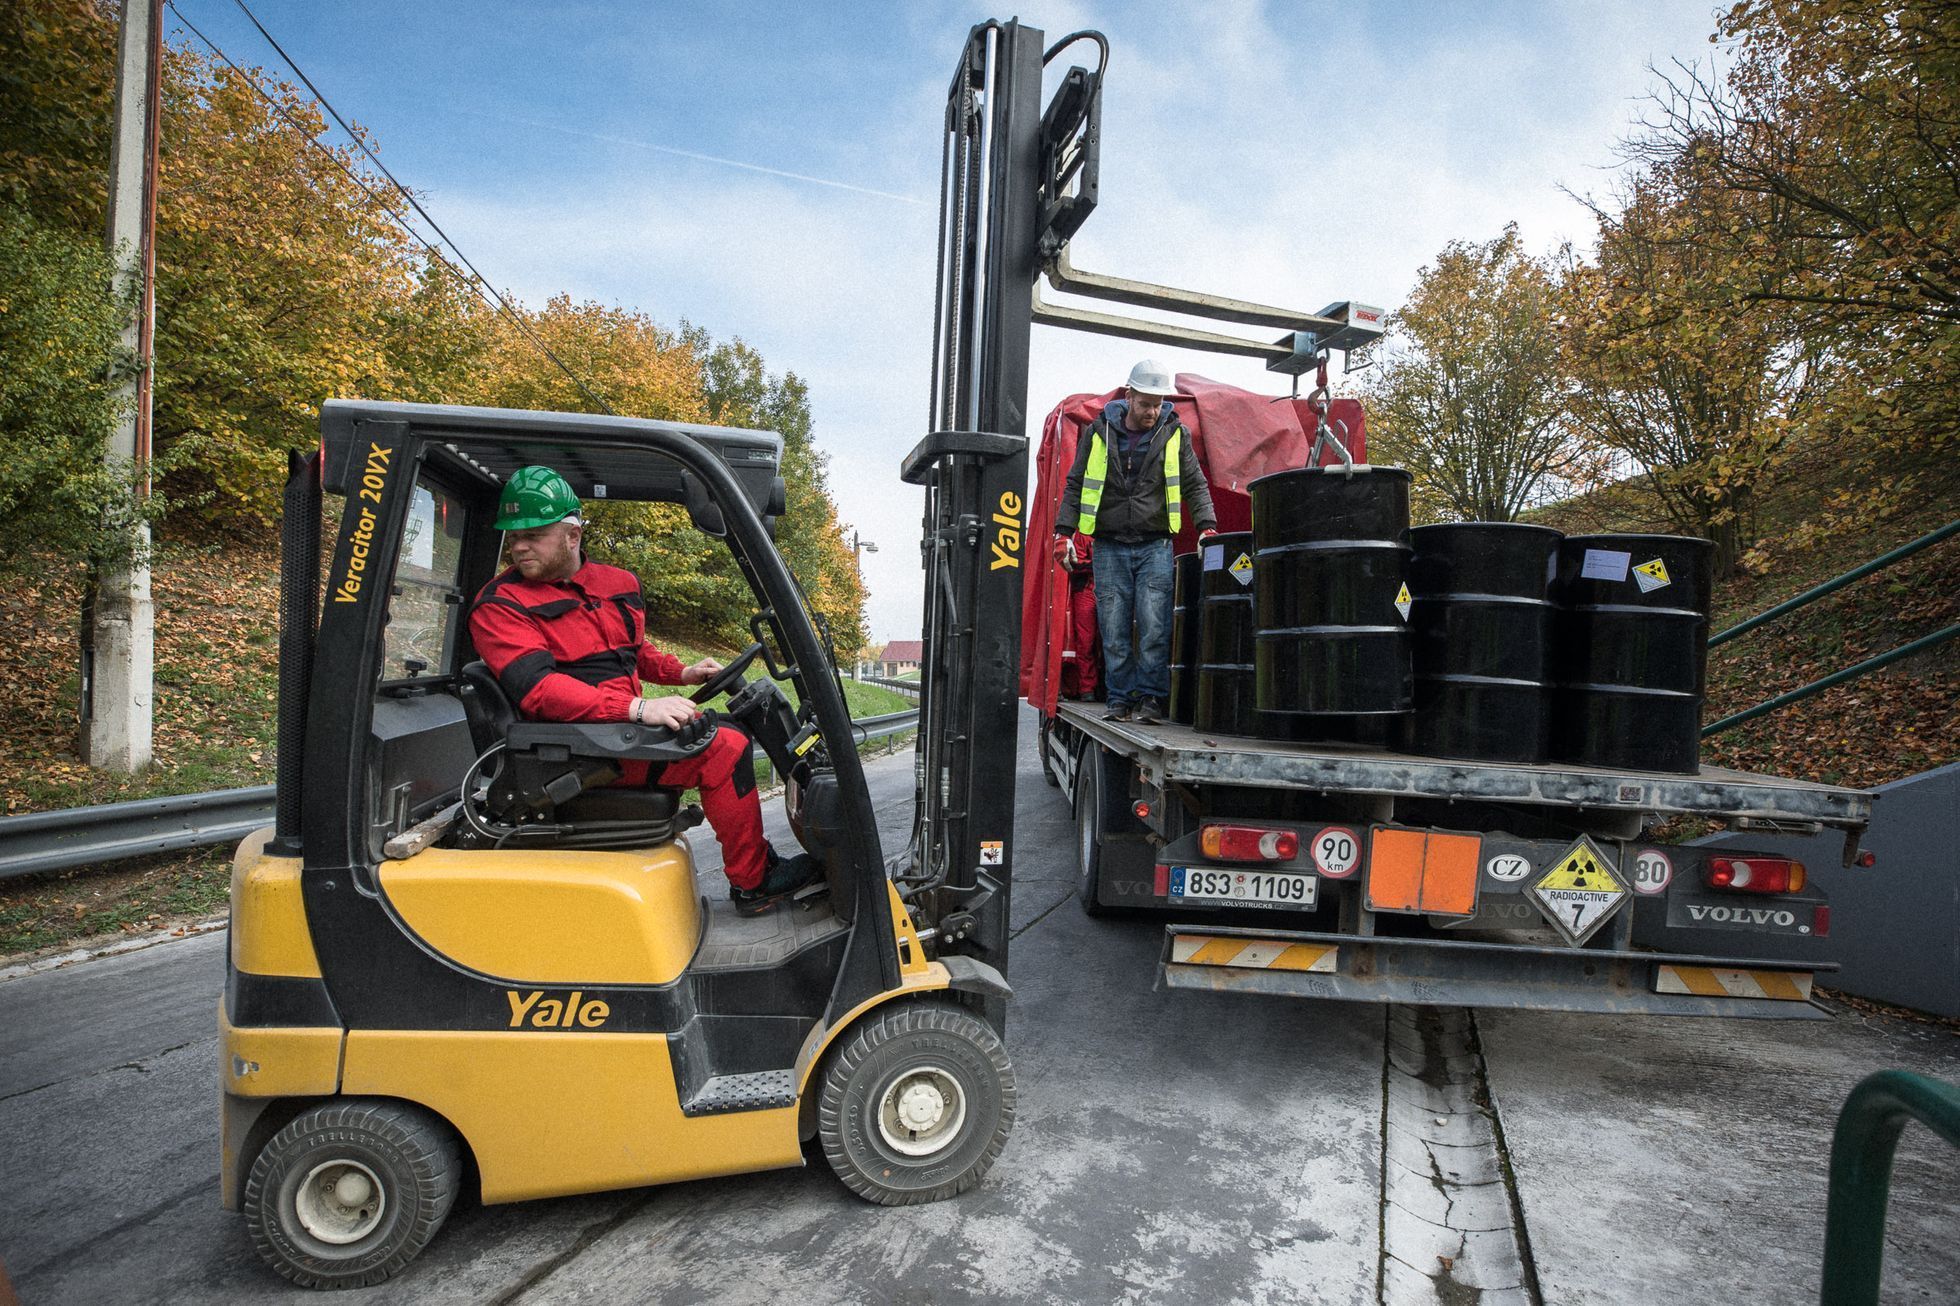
<point x="916" y="1105"/>
<point x="350" y="1191"/>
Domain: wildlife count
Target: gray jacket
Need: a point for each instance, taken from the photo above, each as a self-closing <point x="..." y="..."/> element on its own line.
<point x="1132" y="508"/>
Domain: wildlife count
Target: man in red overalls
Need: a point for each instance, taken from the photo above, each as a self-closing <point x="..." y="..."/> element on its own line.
<point x="567" y="640"/>
<point x="1082" y="657"/>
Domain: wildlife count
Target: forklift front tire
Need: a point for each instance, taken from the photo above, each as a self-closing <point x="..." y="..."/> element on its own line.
<point x="916" y="1105"/>
<point x="350" y="1191"/>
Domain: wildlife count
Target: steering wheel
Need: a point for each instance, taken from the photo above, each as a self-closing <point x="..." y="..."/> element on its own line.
<point x="730" y="676"/>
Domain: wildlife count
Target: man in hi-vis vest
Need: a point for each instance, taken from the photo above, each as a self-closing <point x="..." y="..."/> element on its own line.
<point x="1135" y="476"/>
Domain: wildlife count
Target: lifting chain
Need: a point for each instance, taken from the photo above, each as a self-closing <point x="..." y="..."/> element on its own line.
<point x="1325" y="433"/>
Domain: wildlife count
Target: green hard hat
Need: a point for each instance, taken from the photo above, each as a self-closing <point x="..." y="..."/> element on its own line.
<point x="535" y="496"/>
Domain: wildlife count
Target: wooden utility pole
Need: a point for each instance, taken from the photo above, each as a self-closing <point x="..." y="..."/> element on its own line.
<point x="119" y="645"/>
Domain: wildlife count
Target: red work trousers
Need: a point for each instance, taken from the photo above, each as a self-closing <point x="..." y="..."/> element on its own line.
<point x="1082" y="656"/>
<point x="724" y="772"/>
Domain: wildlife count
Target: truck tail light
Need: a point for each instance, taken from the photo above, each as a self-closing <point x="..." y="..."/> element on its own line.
<point x="1756" y="874"/>
<point x="1820" y="922"/>
<point x="1248" y="843"/>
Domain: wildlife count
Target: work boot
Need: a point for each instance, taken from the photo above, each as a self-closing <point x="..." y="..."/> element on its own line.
<point x="1117" y="712"/>
<point x="781" y="877"/>
<point x="1149" y="712"/>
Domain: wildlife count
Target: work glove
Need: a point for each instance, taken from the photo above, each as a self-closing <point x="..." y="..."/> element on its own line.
<point x="1206" y="534"/>
<point x="1065" y="551"/>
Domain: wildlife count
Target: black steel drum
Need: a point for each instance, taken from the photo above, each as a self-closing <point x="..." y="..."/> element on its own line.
<point x="1332" y="598"/>
<point x="1482" y="629"/>
<point x="1630" y="655"/>
<point x="1225" y="691"/>
<point x="1184" y="638"/>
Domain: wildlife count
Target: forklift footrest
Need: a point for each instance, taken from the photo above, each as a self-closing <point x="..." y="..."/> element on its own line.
<point x="759" y="1091"/>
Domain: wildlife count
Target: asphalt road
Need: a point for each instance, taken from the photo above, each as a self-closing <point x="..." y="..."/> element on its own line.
<point x="1168" y="1147"/>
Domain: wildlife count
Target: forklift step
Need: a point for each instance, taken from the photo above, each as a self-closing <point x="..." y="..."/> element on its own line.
<point x="759" y="1091"/>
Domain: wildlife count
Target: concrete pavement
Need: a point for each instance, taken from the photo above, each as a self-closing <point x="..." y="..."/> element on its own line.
<point x="1168" y="1147"/>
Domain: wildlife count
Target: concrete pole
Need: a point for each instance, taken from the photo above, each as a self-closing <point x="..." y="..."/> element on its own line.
<point x="858" y="546"/>
<point x="117" y="674"/>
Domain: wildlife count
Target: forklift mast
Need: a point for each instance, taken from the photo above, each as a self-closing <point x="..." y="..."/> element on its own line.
<point x="1017" y="181"/>
<point x="974" y="469"/>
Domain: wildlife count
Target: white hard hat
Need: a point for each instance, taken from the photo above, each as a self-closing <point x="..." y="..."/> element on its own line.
<point x="1151" y="377"/>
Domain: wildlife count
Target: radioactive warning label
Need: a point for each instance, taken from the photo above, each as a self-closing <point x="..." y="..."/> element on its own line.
<point x="1580" y="892"/>
<point x="1651" y="576"/>
<point x="1403" y="601"/>
<point x="1242" y="569"/>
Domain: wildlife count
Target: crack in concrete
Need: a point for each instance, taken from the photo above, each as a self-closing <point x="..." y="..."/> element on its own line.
<point x="591" y="1234"/>
<point x="138" y="1066"/>
<point x="1433" y="1074"/>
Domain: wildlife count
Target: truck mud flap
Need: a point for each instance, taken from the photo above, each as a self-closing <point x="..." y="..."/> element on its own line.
<point x="1442" y="972"/>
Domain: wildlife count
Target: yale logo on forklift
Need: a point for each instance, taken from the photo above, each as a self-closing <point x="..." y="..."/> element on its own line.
<point x="539" y="1012"/>
<point x="373" y="481"/>
<point x="1007" y="532"/>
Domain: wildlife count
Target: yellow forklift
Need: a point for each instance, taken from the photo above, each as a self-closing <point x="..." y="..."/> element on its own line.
<point x="462" y="955"/>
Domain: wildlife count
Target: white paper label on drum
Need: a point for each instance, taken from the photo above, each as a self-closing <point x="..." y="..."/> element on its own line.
<point x="1606" y="564"/>
<point x="1214" y="556"/>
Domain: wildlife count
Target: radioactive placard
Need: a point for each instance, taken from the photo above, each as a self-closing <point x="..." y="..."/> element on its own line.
<point x="1242" y="569"/>
<point x="1651" y="576"/>
<point x="1403" y="601"/>
<point x="1581" y="892"/>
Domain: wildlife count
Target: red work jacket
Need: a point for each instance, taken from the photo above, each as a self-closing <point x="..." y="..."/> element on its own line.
<point x="569" y="650"/>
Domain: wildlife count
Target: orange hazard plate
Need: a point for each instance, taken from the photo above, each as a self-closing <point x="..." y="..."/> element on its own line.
<point x="1423" y="871"/>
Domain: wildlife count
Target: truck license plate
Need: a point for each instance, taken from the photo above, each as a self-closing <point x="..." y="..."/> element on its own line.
<point x="1245" y="888"/>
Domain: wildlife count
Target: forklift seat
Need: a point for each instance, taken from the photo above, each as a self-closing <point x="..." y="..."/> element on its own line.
<point x="641" y="815"/>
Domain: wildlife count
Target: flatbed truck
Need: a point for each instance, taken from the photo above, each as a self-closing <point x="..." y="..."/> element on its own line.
<point x="1333" y="872"/>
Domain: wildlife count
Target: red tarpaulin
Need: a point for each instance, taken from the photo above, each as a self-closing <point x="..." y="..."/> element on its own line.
<point x="1239" y="436"/>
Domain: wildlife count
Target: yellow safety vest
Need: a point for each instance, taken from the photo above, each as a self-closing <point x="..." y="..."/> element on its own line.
<point x="1097" y="471"/>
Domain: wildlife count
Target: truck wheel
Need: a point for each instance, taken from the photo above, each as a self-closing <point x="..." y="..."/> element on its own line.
<point x="349" y="1192"/>
<point x="1088" y="831"/>
<point x="916" y="1105"/>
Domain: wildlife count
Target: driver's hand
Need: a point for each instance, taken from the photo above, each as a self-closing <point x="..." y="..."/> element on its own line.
<point x="672" y="712"/>
<point x="701" y="672"/>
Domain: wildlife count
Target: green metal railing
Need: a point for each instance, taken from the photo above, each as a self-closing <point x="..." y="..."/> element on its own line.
<point x="1810" y="596"/>
<point x="1862" y="1148"/>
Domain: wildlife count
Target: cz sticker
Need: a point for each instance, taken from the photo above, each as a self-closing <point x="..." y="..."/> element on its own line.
<point x="1508" y="868"/>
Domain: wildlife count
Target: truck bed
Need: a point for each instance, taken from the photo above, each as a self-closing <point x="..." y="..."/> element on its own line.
<point x="1170" y="753"/>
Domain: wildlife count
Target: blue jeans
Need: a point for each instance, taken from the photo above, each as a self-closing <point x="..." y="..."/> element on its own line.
<point x="1133" y="607"/>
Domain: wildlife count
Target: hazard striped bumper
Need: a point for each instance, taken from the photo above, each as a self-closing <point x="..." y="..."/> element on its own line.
<point x="1448" y="972"/>
<point x="1722" y="982"/>
<point x="1251" y="954"/>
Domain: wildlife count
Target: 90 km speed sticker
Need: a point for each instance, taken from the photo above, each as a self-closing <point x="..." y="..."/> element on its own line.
<point x="1651" y="871"/>
<point x="1336" y="852"/>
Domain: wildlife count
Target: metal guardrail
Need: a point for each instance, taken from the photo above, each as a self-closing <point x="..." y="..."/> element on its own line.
<point x="1811" y="595"/>
<point x="884" y="682"/>
<point x="1862" y="1148"/>
<point x="79" y="836"/>
<point x="83" y="836"/>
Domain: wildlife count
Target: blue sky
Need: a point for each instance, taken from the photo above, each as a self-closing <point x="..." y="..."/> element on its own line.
<point x="770" y="170"/>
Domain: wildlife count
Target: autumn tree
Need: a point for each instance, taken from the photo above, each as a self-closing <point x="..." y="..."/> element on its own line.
<point x="1471" y="398"/>
<point x="1699" y="387"/>
<point x="1838" y="122"/>
<point x="739" y="391"/>
<point x="60" y="334"/>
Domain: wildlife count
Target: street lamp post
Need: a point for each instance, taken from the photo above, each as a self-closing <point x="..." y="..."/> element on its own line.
<point x="860" y="545"/>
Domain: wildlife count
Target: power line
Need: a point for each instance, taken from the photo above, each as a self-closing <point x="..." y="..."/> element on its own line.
<point x="481" y="284"/>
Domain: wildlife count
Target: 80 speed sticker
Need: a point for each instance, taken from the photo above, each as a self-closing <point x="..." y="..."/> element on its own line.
<point x="1336" y="852"/>
<point x="1651" y="871"/>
